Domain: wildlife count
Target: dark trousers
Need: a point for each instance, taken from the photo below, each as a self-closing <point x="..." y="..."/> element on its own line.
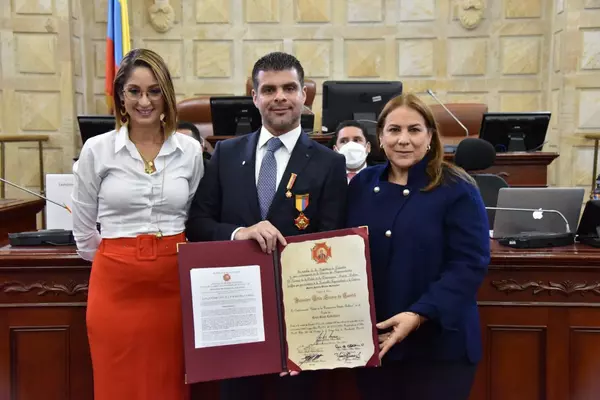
<point x="299" y="387"/>
<point x="417" y="380"/>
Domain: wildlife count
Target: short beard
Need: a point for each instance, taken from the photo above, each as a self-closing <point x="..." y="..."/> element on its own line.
<point x="282" y="127"/>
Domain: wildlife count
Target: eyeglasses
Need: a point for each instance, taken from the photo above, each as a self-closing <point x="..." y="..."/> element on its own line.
<point x="135" y="94"/>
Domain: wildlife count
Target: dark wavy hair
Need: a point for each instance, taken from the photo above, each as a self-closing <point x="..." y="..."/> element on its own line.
<point x="277" y="61"/>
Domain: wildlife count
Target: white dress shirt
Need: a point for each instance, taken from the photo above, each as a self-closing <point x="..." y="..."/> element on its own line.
<point x="111" y="186"/>
<point x="282" y="154"/>
<point x="348" y="172"/>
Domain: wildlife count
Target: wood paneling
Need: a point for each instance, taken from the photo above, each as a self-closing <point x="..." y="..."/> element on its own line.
<point x="18" y="215"/>
<point x="540" y="318"/>
<point x="44" y="352"/>
<point x="507" y="382"/>
<point x="39" y="362"/>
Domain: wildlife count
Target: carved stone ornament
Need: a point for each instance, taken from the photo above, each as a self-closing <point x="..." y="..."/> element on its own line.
<point x="70" y="289"/>
<point x="470" y="13"/>
<point x="162" y="15"/>
<point x="567" y="287"/>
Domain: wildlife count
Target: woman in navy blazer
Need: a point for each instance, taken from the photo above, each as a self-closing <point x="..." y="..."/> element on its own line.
<point x="429" y="242"/>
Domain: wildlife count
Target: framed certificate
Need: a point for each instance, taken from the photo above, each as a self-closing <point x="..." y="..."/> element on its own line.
<point x="307" y="306"/>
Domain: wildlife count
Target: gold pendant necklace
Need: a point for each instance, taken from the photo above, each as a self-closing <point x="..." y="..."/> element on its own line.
<point x="148" y="165"/>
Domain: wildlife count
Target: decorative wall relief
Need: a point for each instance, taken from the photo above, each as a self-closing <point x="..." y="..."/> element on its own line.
<point x="470" y="13"/>
<point x="567" y="287"/>
<point x="162" y="15"/>
<point x="70" y="288"/>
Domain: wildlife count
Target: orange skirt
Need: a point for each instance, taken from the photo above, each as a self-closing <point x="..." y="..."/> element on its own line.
<point x="134" y="320"/>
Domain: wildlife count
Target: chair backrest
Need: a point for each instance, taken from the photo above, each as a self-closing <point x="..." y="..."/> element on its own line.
<point x="311" y="90"/>
<point x="470" y="114"/>
<point x="474" y="154"/>
<point x="489" y="186"/>
<point x="197" y="111"/>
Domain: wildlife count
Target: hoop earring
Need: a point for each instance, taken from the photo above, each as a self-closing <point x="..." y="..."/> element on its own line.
<point x="428" y="147"/>
<point x="124" y="116"/>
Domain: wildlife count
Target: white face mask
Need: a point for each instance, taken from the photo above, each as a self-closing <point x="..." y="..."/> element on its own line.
<point x="355" y="154"/>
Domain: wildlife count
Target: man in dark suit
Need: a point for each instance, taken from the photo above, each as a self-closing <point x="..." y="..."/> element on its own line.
<point x="273" y="183"/>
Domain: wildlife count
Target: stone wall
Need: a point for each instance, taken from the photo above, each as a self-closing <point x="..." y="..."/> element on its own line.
<point x="524" y="56"/>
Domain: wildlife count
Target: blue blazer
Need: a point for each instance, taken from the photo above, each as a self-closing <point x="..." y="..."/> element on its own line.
<point x="227" y="198"/>
<point x="429" y="255"/>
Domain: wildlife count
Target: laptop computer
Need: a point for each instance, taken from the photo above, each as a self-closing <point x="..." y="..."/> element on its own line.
<point x="512" y="223"/>
<point x="588" y="231"/>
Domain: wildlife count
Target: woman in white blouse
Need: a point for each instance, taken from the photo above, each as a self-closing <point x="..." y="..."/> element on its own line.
<point x="137" y="181"/>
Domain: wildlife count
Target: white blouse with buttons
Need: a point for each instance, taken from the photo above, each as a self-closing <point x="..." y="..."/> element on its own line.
<point x="111" y="186"/>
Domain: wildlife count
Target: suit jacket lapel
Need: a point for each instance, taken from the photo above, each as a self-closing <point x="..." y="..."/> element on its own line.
<point x="300" y="156"/>
<point x="248" y="182"/>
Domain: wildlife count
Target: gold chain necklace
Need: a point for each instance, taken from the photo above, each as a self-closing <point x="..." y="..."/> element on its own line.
<point x="148" y="165"/>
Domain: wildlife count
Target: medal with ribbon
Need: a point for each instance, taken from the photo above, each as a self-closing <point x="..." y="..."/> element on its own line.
<point x="289" y="185"/>
<point x="301" y="202"/>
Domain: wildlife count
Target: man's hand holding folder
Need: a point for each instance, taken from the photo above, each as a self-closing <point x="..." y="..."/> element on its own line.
<point x="264" y="233"/>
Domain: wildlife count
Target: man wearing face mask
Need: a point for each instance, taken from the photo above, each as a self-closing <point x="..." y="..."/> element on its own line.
<point x="351" y="141"/>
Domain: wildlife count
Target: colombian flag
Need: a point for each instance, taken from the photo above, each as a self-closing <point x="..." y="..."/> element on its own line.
<point x="118" y="43"/>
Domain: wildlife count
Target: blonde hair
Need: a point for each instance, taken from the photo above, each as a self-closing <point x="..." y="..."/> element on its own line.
<point x="149" y="59"/>
<point x="436" y="166"/>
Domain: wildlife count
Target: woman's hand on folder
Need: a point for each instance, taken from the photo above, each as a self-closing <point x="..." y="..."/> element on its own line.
<point x="290" y="373"/>
<point x="402" y="325"/>
<point x="264" y="233"/>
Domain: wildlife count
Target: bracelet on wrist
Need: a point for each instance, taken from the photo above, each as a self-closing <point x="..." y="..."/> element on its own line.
<point x="418" y="318"/>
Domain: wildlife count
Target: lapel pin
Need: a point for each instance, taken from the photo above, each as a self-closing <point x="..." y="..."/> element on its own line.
<point x="243" y="162"/>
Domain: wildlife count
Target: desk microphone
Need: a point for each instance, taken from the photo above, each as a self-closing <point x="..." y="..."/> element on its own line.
<point x="538" y="213"/>
<point x="36" y="194"/>
<point x="429" y="92"/>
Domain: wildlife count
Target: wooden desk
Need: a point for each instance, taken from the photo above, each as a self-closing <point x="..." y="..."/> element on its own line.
<point x="540" y="314"/>
<point x="18" y="216"/>
<point x="518" y="169"/>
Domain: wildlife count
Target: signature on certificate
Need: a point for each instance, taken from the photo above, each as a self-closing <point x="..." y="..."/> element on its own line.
<point x="348" y="356"/>
<point x="310" y="358"/>
<point x="326" y="336"/>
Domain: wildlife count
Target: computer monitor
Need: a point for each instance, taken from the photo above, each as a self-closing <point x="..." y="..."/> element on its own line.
<point x="589" y="225"/>
<point x="356" y="100"/>
<point x="234" y="115"/>
<point x="94" y="125"/>
<point x="516" y="131"/>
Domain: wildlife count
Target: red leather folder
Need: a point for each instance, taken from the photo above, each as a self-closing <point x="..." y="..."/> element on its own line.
<point x="270" y="356"/>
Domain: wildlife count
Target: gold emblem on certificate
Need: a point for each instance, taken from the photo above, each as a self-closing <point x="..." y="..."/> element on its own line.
<point x="321" y="252"/>
<point x="301" y="203"/>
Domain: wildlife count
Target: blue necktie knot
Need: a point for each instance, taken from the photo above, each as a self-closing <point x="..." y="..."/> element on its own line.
<point x="274" y="144"/>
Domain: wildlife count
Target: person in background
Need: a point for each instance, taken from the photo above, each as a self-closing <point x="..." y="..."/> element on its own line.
<point x="269" y="184"/>
<point x="138" y="181"/>
<point x="187" y="128"/>
<point x="351" y="141"/>
<point x="430" y="248"/>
